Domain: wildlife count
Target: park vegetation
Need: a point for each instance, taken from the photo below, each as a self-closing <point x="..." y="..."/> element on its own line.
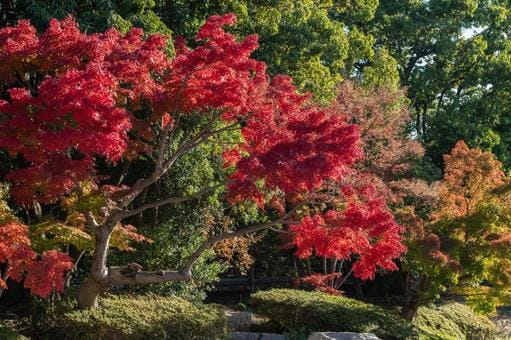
<point x="146" y="148"/>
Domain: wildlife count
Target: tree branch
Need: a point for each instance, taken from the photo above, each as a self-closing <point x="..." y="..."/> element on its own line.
<point x="164" y="166"/>
<point x="117" y="277"/>
<point x="91" y="221"/>
<point x="251" y="229"/>
<point x="125" y="214"/>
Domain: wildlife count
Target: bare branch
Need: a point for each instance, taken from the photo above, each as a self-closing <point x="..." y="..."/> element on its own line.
<point x="251" y="229"/>
<point x="281" y="231"/>
<point x="91" y="221"/>
<point x="75" y="267"/>
<point x="119" y="275"/>
<point x="163" y="144"/>
<point x="172" y="200"/>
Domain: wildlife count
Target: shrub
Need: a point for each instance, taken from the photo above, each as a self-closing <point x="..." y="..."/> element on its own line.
<point x="288" y="310"/>
<point x="453" y="321"/>
<point x="8" y="334"/>
<point x="146" y="317"/>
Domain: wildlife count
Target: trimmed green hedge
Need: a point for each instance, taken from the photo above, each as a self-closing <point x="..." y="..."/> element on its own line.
<point x="453" y="321"/>
<point x="146" y="317"/>
<point x="289" y="309"/>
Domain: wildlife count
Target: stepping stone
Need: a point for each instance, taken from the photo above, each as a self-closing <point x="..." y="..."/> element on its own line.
<point x="255" y="336"/>
<point x="342" y="336"/>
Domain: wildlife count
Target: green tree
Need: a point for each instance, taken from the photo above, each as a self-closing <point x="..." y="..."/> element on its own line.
<point x="453" y="56"/>
<point x="92" y="15"/>
<point x="318" y="42"/>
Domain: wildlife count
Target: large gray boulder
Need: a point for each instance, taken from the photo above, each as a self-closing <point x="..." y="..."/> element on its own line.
<point x="342" y="336"/>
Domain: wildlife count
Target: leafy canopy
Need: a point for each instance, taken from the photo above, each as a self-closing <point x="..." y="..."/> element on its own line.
<point x="75" y="99"/>
<point x="466" y="250"/>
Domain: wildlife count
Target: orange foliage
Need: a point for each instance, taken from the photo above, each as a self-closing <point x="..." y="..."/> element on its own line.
<point x="470" y="174"/>
<point x="41" y="274"/>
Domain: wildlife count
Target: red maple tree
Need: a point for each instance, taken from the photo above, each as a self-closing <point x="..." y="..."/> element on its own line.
<point x="76" y="98"/>
<point x="41" y="274"/>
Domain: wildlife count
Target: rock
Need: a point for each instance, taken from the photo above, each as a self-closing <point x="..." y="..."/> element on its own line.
<point x="255" y="336"/>
<point x="342" y="336"/>
<point x="239" y="321"/>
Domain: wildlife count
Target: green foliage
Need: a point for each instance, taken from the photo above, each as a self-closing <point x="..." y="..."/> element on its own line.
<point x="174" y="241"/>
<point x="8" y="334"/>
<point x="147" y="317"/>
<point x="318" y="42"/>
<point x="454" y="57"/>
<point x="382" y="72"/>
<point x="290" y="310"/>
<point x="355" y="10"/>
<point x="308" y="45"/>
<point x="51" y="234"/>
<point x="452" y="321"/>
<point x="92" y="15"/>
<point x="298" y="312"/>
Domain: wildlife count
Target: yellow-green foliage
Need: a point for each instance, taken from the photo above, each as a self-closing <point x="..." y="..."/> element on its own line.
<point x="453" y="321"/>
<point x="51" y="234"/>
<point x="5" y="212"/>
<point x="146" y="317"/>
<point x="289" y="309"/>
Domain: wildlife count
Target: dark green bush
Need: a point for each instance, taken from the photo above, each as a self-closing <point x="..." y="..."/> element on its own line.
<point x="453" y="321"/>
<point x="147" y="317"/>
<point x="289" y="309"/>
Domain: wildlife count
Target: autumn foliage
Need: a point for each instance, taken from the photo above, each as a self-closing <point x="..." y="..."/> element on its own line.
<point x="68" y="99"/>
<point x="464" y="246"/>
<point x="474" y="226"/>
<point x="470" y="175"/>
<point x="367" y="231"/>
<point x="76" y="98"/>
<point x="40" y="273"/>
<point x="363" y="233"/>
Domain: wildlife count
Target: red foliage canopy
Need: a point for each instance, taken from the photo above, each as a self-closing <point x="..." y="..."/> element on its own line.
<point x="366" y="230"/>
<point x="74" y="97"/>
<point x="41" y="274"/>
<point x="69" y="98"/>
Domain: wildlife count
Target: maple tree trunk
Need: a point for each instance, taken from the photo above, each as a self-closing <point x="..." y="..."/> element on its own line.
<point x="89" y="294"/>
<point x="101" y="277"/>
<point x="4" y="276"/>
<point x="358" y="289"/>
<point x="414" y="297"/>
<point x="97" y="281"/>
<point x="410" y="310"/>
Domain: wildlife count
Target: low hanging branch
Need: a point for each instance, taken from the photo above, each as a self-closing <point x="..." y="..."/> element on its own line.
<point x="124" y="275"/>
